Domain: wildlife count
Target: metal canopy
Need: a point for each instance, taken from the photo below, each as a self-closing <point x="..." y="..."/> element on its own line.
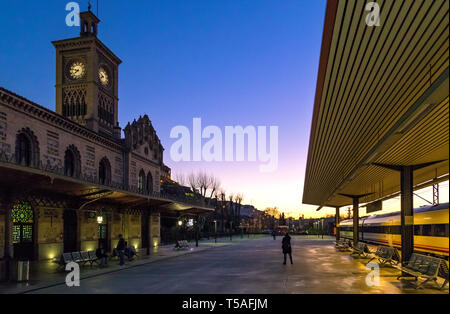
<point x="382" y="97"/>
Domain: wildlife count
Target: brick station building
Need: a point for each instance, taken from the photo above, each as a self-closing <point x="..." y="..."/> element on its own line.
<point x="68" y="180"/>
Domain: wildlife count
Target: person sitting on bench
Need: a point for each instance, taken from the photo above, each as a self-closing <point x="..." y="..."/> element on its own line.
<point x="130" y="251"/>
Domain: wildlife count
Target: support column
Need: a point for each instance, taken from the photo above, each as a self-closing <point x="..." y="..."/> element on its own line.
<point x="407" y="206"/>
<point x="355" y="199"/>
<point x="8" y="245"/>
<point x="155" y="228"/>
<point x="407" y="214"/>
<point x="355" y="220"/>
<point x="338" y="228"/>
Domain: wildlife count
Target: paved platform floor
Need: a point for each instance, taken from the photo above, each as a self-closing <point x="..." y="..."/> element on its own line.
<point x="253" y="266"/>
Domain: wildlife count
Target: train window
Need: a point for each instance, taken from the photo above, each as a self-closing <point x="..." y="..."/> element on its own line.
<point x="418" y="230"/>
<point x="439" y="230"/>
<point x="426" y="230"/>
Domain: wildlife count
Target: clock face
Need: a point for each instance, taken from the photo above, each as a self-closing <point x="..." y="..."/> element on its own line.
<point x="103" y="76"/>
<point x="77" y="70"/>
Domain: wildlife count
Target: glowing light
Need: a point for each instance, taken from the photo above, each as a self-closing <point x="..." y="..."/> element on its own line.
<point x="100" y="219"/>
<point x="180" y="223"/>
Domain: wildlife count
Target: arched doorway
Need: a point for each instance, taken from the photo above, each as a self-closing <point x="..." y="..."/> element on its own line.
<point x="23" y="231"/>
<point x="23" y="150"/>
<point x="104" y="171"/>
<point x="69" y="164"/>
<point x="70" y="230"/>
<point x="27" y="148"/>
<point x="72" y="162"/>
<point x="141" y="181"/>
<point x="149" y="184"/>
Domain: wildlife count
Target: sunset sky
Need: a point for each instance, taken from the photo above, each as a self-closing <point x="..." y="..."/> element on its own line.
<point x="228" y="62"/>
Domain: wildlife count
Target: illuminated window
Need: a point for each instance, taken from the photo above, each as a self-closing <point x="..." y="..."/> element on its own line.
<point x="22" y="213"/>
<point x="22" y="217"/>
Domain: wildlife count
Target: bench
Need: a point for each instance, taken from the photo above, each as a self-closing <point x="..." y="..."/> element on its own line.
<point x="89" y="257"/>
<point x="78" y="257"/>
<point x="343" y="245"/>
<point x="181" y="244"/>
<point x="427" y="267"/>
<point x="361" y="249"/>
<point x="386" y="255"/>
<point x="66" y="258"/>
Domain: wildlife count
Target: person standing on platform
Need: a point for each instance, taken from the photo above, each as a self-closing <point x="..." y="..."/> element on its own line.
<point x="121" y="250"/>
<point x="287" y="249"/>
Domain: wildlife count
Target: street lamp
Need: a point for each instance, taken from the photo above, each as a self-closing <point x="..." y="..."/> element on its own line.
<point x="215" y="231"/>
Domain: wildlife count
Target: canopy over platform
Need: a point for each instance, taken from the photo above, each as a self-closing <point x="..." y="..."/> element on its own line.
<point x="47" y="182"/>
<point x="382" y="99"/>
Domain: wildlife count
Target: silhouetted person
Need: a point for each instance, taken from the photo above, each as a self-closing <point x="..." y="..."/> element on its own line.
<point x="121" y="249"/>
<point x="286" y="246"/>
<point x="274" y="234"/>
<point x="101" y="255"/>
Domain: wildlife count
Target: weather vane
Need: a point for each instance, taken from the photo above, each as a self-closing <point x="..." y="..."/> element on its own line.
<point x="89" y="6"/>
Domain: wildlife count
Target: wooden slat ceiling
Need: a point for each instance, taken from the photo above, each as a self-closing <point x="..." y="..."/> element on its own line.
<point x="382" y="97"/>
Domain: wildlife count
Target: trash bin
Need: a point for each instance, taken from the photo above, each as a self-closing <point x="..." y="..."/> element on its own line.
<point x="21" y="271"/>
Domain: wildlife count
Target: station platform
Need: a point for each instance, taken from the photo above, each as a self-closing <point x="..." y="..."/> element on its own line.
<point x="242" y="266"/>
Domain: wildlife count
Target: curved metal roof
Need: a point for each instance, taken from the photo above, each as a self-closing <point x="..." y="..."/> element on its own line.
<point x="382" y="97"/>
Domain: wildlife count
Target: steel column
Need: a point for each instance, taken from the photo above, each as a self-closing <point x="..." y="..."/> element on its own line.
<point x="407" y="213"/>
<point x="355" y="220"/>
<point x="338" y="228"/>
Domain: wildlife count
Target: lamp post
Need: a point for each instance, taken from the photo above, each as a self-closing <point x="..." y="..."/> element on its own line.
<point x="231" y="230"/>
<point x="215" y="231"/>
<point x="180" y="224"/>
<point x="196" y="231"/>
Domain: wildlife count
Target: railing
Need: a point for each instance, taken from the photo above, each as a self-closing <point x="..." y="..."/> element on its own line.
<point x="93" y="179"/>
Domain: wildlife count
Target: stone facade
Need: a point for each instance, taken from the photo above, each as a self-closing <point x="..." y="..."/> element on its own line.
<point x="81" y="140"/>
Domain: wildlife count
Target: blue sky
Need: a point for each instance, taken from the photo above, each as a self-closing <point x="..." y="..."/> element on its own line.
<point x="230" y="62"/>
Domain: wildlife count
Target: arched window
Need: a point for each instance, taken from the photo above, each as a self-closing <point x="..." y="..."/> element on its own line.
<point x="149" y="182"/>
<point x="104" y="171"/>
<point x="72" y="162"/>
<point x="69" y="164"/>
<point x="23" y="150"/>
<point x="141" y="181"/>
<point x="27" y="148"/>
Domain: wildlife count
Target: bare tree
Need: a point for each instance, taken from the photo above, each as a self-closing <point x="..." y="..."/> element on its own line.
<point x="238" y="200"/>
<point x="180" y="178"/>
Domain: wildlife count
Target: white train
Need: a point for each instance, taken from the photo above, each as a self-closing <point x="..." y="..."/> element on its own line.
<point x="430" y="229"/>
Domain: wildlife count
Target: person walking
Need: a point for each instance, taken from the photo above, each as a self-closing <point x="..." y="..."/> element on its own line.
<point x="121" y="250"/>
<point x="274" y="234"/>
<point x="286" y="246"/>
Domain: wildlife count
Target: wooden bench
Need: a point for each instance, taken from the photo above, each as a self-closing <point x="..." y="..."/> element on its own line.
<point x="386" y="255"/>
<point x="361" y="249"/>
<point x="427" y="267"/>
<point x="181" y="244"/>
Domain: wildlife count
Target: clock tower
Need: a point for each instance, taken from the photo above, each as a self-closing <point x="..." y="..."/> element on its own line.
<point x="87" y="79"/>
